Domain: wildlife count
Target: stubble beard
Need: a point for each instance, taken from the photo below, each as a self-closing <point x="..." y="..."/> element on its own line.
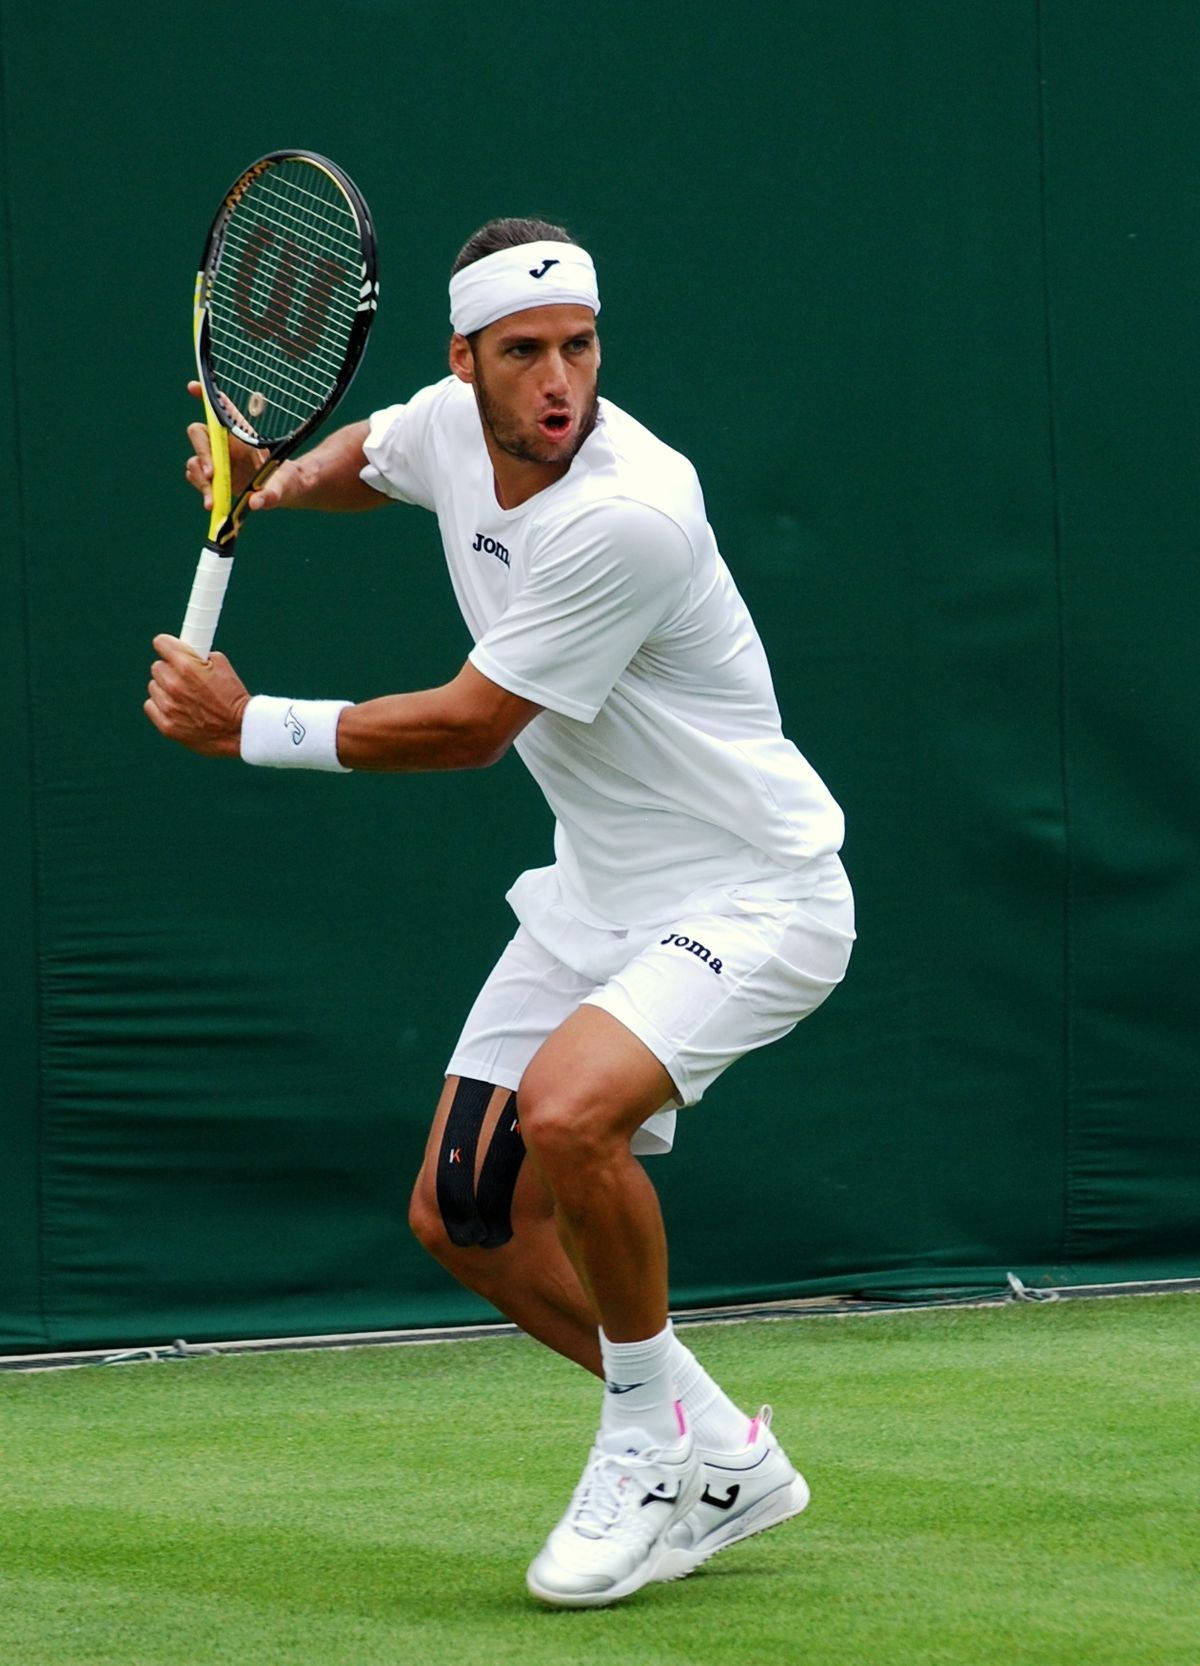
<point x="513" y="443"/>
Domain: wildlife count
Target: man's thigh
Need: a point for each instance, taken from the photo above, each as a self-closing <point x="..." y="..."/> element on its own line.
<point x="595" y="1076"/>
<point x="717" y="985"/>
<point x="528" y="995"/>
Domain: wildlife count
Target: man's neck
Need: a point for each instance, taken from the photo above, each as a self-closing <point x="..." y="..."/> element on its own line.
<point x="515" y="481"/>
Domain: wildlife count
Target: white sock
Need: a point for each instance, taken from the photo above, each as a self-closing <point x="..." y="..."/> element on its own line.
<point x="711" y="1415"/>
<point x="639" y="1389"/>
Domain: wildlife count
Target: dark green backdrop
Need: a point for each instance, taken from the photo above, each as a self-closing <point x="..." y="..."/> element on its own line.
<point x="913" y="282"/>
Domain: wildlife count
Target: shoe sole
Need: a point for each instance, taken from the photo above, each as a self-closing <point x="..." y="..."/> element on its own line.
<point x="643" y="1575"/>
<point x="676" y="1561"/>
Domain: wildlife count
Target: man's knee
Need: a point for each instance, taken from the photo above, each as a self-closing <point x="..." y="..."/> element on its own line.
<point x="463" y="1198"/>
<point x="561" y="1128"/>
<point x="586" y="1091"/>
<point x="425" y="1218"/>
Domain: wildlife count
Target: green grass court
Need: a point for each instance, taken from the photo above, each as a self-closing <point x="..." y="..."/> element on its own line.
<point x="1015" y="1485"/>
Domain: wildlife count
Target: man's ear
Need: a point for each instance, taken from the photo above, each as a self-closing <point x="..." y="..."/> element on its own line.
<point x="462" y="360"/>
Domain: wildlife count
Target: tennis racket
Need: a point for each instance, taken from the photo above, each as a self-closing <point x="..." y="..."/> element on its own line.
<point x="285" y="297"/>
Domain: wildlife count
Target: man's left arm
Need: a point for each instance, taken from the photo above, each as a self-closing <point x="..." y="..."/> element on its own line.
<point x="467" y="723"/>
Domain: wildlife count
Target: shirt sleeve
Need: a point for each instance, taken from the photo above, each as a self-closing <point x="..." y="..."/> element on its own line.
<point x="398" y="447"/>
<point x="598" y="587"/>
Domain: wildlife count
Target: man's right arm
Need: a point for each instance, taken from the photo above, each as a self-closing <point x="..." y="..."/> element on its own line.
<point x="327" y="477"/>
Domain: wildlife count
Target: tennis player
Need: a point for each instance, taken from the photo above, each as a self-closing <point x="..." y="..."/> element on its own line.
<point x="696" y="908"/>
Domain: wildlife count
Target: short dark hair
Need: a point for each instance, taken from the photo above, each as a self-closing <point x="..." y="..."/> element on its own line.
<point x="507" y="234"/>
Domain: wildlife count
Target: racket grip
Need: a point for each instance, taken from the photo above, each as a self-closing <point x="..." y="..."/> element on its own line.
<point x="204" y="603"/>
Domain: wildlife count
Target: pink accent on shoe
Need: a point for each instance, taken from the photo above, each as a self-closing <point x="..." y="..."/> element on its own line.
<point x="762" y="1421"/>
<point x="679" y="1417"/>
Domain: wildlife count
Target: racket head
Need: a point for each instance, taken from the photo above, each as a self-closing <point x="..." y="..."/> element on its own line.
<point x="285" y="296"/>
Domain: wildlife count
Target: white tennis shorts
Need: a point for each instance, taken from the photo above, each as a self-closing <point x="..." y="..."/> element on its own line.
<point x="700" y="991"/>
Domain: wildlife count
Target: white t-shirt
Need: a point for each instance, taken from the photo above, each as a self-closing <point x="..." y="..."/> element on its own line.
<point x="604" y="599"/>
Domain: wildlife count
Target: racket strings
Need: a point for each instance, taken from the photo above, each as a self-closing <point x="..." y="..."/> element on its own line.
<point x="290" y="206"/>
<point x="324" y="353"/>
<point x="344" y="248"/>
<point x="290" y="398"/>
<point x="284" y="297"/>
<point x="304" y="380"/>
<point x="269" y="252"/>
<point x="248" y="378"/>
<point x="323" y="356"/>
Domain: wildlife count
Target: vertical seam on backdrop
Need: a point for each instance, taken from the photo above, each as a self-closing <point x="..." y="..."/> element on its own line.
<point x="17" y="520"/>
<point x="1068" y="945"/>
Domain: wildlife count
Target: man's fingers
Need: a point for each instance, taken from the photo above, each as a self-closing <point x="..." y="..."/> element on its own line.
<point x="273" y="492"/>
<point x="196" y="475"/>
<point x="245" y="460"/>
<point x="198" y="469"/>
<point x="196" y="702"/>
<point x="152" y="712"/>
<point x="197" y="433"/>
<point x="176" y="653"/>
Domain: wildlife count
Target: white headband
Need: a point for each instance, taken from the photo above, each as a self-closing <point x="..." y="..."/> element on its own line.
<point x="531" y="275"/>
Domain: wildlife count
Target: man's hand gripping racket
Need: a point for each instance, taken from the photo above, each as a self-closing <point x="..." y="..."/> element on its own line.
<point x="284" y="300"/>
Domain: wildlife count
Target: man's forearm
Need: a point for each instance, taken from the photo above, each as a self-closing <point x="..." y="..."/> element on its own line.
<point x="204" y="705"/>
<point x="419" y="731"/>
<point x="466" y="724"/>
<point x="328" y="476"/>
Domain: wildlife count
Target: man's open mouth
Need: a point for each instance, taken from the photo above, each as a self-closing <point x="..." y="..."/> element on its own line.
<point x="556" y="423"/>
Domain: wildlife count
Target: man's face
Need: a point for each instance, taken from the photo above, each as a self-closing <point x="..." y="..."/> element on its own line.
<point x="534" y="375"/>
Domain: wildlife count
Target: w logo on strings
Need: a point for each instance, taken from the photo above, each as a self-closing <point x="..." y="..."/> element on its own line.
<point x="272" y="322"/>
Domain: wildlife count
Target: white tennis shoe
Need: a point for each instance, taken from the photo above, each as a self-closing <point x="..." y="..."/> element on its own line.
<point x="744" y="1493"/>
<point x="608" y="1543"/>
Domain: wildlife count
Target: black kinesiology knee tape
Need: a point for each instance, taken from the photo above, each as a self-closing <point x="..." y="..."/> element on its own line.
<point x="478" y="1213"/>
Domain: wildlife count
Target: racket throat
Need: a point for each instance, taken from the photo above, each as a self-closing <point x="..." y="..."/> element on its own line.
<point x="222" y="533"/>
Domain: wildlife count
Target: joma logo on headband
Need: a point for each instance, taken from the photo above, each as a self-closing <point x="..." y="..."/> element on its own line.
<point x="545" y="267"/>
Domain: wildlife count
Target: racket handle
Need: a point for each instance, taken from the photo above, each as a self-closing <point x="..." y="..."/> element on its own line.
<point x="204" y="603"/>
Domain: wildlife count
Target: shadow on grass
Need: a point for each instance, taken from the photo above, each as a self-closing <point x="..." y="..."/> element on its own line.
<point x="295" y="1569"/>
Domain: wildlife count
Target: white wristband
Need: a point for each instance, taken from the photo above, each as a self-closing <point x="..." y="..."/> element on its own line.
<point x="292" y="734"/>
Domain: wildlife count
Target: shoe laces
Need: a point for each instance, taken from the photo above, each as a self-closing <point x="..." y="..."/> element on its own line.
<point x="608" y="1483"/>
